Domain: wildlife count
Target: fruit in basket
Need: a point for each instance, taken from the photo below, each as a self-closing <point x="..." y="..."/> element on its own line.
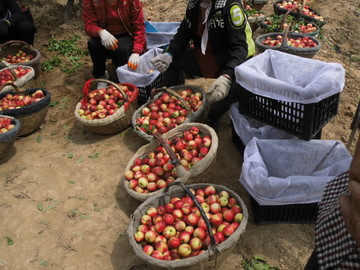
<point x="6" y="124"/>
<point x="102" y="103"/>
<point x="167" y="111"/>
<point x="305" y="10"/>
<point x="19" y="57"/>
<point x="183" y="243"/>
<point x="289" y="5"/>
<point x="7" y="76"/>
<point x="156" y="167"/>
<point x="16" y="101"/>
<point x="300" y="42"/>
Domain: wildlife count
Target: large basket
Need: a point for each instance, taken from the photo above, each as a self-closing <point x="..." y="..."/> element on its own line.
<point x="116" y="122"/>
<point x="13" y="46"/>
<point x="200" y="171"/>
<point x="8" y="138"/>
<point x="212" y="257"/>
<point x="191" y="117"/>
<point x="32" y="116"/>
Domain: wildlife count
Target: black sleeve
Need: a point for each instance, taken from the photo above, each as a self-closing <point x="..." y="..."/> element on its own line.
<point x="16" y="13"/>
<point x="239" y="33"/>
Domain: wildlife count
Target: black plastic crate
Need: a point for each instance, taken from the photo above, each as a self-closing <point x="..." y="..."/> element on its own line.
<point x="302" y="120"/>
<point x="145" y="92"/>
<point x="291" y="213"/>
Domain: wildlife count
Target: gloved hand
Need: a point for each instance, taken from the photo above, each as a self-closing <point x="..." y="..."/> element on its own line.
<point x="219" y="89"/>
<point x="108" y="40"/>
<point x="134" y="61"/>
<point x="4" y="28"/>
<point x="162" y="61"/>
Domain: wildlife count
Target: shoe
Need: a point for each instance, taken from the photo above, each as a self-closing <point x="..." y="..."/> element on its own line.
<point x="102" y="85"/>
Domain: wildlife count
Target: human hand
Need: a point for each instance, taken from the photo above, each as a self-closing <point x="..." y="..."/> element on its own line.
<point x="134" y="61"/>
<point x="219" y="89"/>
<point x="108" y="40"/>
<point x="4" y="28"/>
<point x="162" y="61"/>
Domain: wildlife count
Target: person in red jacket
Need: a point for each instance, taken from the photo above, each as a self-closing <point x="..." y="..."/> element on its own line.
<point x="117" y="30"/>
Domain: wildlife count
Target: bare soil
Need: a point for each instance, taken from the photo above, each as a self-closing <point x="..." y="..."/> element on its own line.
<point x="72" y="213"/>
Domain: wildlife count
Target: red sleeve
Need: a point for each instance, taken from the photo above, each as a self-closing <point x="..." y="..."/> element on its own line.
<point x="138" y="27"/>
<point x="91" y="23"/>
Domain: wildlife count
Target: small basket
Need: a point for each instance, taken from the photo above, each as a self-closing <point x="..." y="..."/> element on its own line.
<point x="8" y="138"/>
<point x="116" y="122"/>
<point x="278" y="10"/>
<point x="16" y="80"/>
<point x="32" y="116"/>
<point x="213" y="256"/>
<point x="199" y="172"/>
<point x="191" y="117"/>
<point x="13" y="46"/>
<point x="302" y="120"/>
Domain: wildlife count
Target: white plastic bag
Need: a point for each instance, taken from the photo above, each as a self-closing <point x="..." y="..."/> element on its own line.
<point x="283" y="76"/>
<point x="141" y="77"/>
<point x="280" y="172"/>
<point x="247" y="128"/>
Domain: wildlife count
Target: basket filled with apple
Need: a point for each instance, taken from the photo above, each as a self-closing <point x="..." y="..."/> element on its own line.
<point x="254" y="16"/>
<point x="18" y="52"/>
<point x="309" y="14"/>
<point x="108" y="110"/>
<point x="9" y="129"/>
<point x="18" y="75"/>
<point x="184" y="154"/>
<point x="29" y="106"/>
<point x="169" y="108"/>
<point x="188" y="226"/>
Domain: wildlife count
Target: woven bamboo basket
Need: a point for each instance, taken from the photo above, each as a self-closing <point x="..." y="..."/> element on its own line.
<point x="191" y="117"/>
<point x="8" y="138"/>
<point x="213" y="256"/>
<point x="32" y="116"/>
<point x="13" y="46"/>
<point x="16" y="80"/>
<point x="116" y="122"/>
<point x="199" y="172"/>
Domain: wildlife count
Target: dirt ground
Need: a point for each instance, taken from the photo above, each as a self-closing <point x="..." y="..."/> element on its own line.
<point x="71" y="212"/>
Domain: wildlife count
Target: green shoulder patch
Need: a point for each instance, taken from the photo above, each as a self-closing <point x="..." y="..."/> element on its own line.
<point x="236" y="16"/>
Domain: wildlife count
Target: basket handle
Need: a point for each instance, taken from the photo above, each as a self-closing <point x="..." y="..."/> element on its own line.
<point x="181" y="171"/>
<point x="208" y="224"/>
<point x="8" y="66"/>
<point x="15" y="42"/>
<point x="88" y="84"/>
<point x="16" y="88"/>
<point x="287" y="13"/>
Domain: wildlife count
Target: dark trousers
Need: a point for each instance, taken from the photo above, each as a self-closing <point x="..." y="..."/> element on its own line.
<point x="312" y="263"/>
<point x="99" y="54"/>
<point x="24" y="31"/>
<point x="186" y="63"/>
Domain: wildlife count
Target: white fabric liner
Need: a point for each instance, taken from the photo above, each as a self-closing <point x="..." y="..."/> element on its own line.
<point x="141" y="76"/>
<point x="247" y="128"/>
<point x="280" y="172"/>
<point x="283" y="76"/>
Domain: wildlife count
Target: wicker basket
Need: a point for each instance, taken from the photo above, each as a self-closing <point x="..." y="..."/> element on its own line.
<point x="32" y="116"/>
<point x="200" y="171"/>
<point x="13" y="46"/>
<point x="7" y="139"/>
<point x="17" y="81"/>
<point x="116" y="122"/>
<point x="191" y="117"/>
<point x="212" y="257"/>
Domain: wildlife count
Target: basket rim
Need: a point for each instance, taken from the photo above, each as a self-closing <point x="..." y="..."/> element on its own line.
<point x="11" y="134"/>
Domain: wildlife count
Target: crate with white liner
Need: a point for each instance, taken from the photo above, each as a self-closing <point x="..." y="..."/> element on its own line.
<point x="286" y="178"/>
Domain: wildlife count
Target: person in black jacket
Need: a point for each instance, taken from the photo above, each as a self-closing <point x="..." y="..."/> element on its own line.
<point x="13" y="23"/>
<point x="222" y="40"/>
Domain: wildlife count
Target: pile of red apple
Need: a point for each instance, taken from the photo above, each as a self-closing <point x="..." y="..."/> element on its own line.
<point x="7" y="76"/>
<point x="177" y="229"/>
<point x="102" y="103"/>
<point x="301" y="42"/>
<point x="16" y="101"/>
<point x="305" y="10"/>
<point x="155" y="171"/>
<point x="19" y="57"/>
<point x="6" y="124"/>
<point x="167" y="111"/>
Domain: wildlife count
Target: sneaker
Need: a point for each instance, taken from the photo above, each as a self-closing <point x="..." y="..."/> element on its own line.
<point x="102" y="85"/>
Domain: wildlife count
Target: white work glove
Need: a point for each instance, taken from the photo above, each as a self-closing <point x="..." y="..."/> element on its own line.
<point x="134" y="61"/>
<point x="162" y="61"/>
<point x="108" y="40"/>
<point x="219" y="89"/>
